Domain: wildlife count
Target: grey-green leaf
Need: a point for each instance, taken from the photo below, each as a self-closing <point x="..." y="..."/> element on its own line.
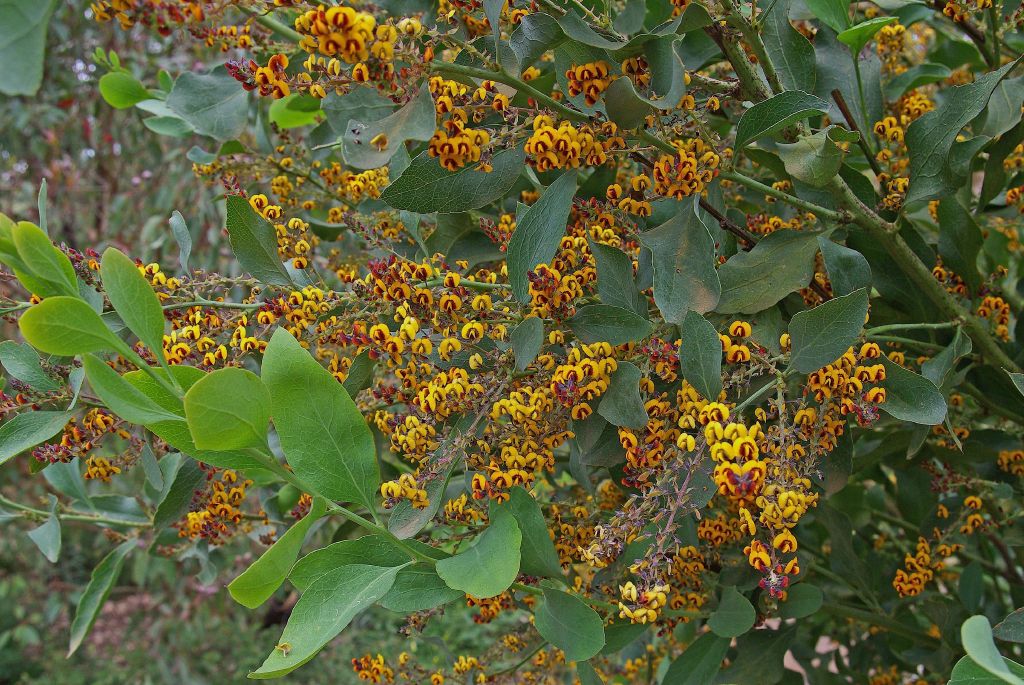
<point x="685" y="277"/>
<point x="425" y="186"/>
<point x="910" y="397"/>
<point x="120" y="396"/>
<point x="214" y="104"/>
<point x="775" y="114"/>
<point x="414" y="121"/>
<point x="823" y="334"/>
<point x="23" y="44"/>
<point x="699" y="663"/>
<point x="100" y="584"/>
<point x="960" y="241"/>
<point x="28" y="429"/>
<point x="133" y="298"/>
<point x="322" y="432"/>
<point x="183" y="237"/>
<point x="700" y="355"/>
<point x="621" y="404"/>
<point x="930" y="139"/>
<point x="539" y="232"/>
<point x="615" y="283"/>
<point x="570" y="624"/>
<point x="228" y="409"/>
<point x="254" y="242"/>
<point x="734" y="616"/>
<point x="21" y="362"/>
<point x="779" y="264"/>
<point x="789" y="50"/>
<point x="606" y="323"/>
<point x="527" y="338"/>
<point x="256" y="584"/>
<point x="47" y="535"/>
<point x="976" y="636"/>
<point x="323" y="611"/>
<point x="539" y="557"/>
<point x="848" y="270"/>
<point x="491" y="565"/>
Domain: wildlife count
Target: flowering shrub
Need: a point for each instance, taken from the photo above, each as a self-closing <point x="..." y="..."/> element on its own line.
<point x="680" y="335"/>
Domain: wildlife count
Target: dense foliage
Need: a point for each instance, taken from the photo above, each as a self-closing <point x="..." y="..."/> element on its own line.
<point x="672" y="342"/>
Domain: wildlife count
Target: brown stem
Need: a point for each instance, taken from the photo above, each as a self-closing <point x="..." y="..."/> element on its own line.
<point x="852" y="123"/>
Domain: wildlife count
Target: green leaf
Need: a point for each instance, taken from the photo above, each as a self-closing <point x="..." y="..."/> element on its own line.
<point x="120" y="396"/>
<point x="21" y="362"/>
<point x="621" y="403"/>
<point x="734" y="616"/>
<point x="976" y="635"/>
<point x="960" y="241"/>
<point x="938" y="368"/>
<point x="258" y="583"/>
<point x="760" y="657"/>
<point x="580" y="31"/>
<point x="539" y="232"/>
<point x="254" y="242"/>
<point x="775" y="114"/>
<point x="414" y="121"/>
<point x="779" y="264"/>
<point x="47" y="265"/>
<point x="47" y="535"/>
<point x="539" y="557"/>
<point x="848" y="270"/>
<point x="176" y="433"/>
<point x="360" y="374"/>
<point x="833" y="13"/>
<point x="171" y="126"/>
<point x="788" y="49"/>
<point x="363" y="103"/>
<point x="699" y="663"/>
<point x="100" y="584"/>
<point x="606" y="323"/>
<point x="214" y="103"/>
<point x="418" y="588"/>
<point x="587" y="675"/>
<point x="816" y="159"/>
<point x="914" y="77"/>
<point x="625" y="107"/>
<point x="615" y="284"/>
<point x="133" y="298"/>
<point x="425" y="186"/>
<point x="700" y="355"/>
<point x="228" y="409"/>
<point x="491" y="565"/>
<point x="802" y="600"/>
<point x="66" y="326"/>
<point x="570" y="624"/>
<point x="121" y="90"/>
<point x="28" y="429"/>
<point x="823" y="334"/>
<point x="536" y="34"/>
<point x="183" y="237"/>
<point x="1011" y="628"/>
<point x="684" y="266"/>
<point x="909" y="397"/>
<point x="971" y="586"/>
<point x="294" y="110"/>
<point x="967" y="672"/>
<point x="322" y="432"/>
<point x="23" y="44"/>
<point x="177" y="491"/>
<point x="375" y="550"/>
<point x="527" y="338"/>
<point x="930" y="139"/>
<point x="856" y="37"/>
<point x="322" y="612"/>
